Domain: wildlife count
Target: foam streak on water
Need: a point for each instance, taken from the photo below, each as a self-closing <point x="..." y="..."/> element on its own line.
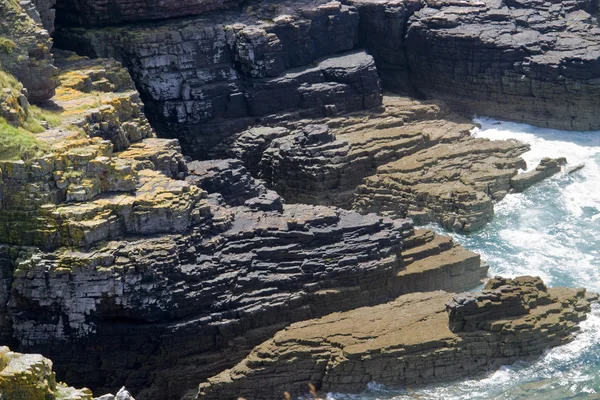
<point x="552" y="230"/>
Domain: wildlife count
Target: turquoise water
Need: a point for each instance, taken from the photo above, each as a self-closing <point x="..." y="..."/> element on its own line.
<point x="552" y="231"/>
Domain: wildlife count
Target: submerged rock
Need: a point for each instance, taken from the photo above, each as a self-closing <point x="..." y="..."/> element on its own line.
<point x="409" y="341"/>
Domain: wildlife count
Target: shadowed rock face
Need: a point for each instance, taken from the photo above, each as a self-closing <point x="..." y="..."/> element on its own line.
<point x="408" y="341"/>
<point x="205" y="78"/>
<point x="527" y="61"/>
<point x="531" y="61"/>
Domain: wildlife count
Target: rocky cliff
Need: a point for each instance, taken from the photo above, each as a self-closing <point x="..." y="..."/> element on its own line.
<point x="130" y="264"/>
<point x="532" y="62"/>
<point x="124" y="273"/>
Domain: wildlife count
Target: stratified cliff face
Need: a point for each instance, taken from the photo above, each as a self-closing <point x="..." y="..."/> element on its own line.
<point x="129" y="264"/>
<point x="207" y="78"/>
<point x="93" y="12"/>
<point x="529" y="61"/>
<point x="204" y="78"/>
<point x="526" y="61"/>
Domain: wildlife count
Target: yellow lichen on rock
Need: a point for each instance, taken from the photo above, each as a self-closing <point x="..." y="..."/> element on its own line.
<point x="30" y="377"/>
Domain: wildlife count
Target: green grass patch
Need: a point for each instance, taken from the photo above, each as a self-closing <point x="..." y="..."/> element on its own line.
<point x="7" y="46"/>
<point x="36" y="115"/>
<point x="9" y="81"/>
<point x="18" y="143"/>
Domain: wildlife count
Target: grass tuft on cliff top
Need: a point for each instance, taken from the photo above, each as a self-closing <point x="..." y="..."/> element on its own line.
<point x="18" y="143"/>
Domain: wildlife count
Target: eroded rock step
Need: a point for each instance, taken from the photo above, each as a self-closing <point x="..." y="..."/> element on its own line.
<point x="30" y="376"/>
<point x="407" y="158"/>
<point x="417" y="339"/>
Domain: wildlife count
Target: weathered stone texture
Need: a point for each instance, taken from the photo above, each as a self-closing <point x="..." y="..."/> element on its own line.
<point x="406" y="159"/>
<point x="108" y="12"/>
<point x="138" y="277"/>
<point x="407" y="341"/>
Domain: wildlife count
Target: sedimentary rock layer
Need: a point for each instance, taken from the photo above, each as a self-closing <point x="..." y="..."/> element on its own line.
<point x="412" y="340"/>
<point x="407" y="158"/>
<point x="108" y="12"/>
<point x="527" y="61"/>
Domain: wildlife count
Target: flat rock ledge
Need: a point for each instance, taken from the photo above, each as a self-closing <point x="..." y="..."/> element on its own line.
<point x="416" y="339"/>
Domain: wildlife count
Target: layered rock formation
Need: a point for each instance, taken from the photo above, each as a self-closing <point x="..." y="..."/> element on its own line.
<point x="204" y="78"/>
<point x="406" y="159"/>
<point x="90" y="13"/>
<point x="532" y="62"/>
<point x="396" y="154"/>
<point x="125" y="274"/>
<point x="129" y="265"/>
<point x="409" y="341"/>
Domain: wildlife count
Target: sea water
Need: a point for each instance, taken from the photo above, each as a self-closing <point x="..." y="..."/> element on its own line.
<point x="553" y="231"/>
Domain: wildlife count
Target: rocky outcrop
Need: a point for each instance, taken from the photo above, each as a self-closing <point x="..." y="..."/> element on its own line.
<point x="546" y="168"/>
<point x="408" y="341"/>
<point x="509" y="60"/>
<point x="45" y="9"/>
<point x="382" y="32"/>
<point x="30" y="377"/>
<point x="130" y="265"/>
<point x="124" y="273"/>
<point x="25" y="49"/>
<point x="408" y="158"/>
